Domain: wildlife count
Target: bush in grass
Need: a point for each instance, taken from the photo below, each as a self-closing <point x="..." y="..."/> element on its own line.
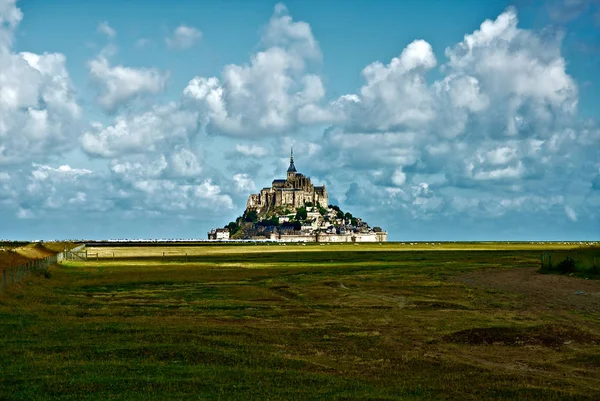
<point x="566" y="266"/>
<point x="43" y="273"/>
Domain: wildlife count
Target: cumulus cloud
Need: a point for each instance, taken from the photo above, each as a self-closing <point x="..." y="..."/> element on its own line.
<point x="251" y="150"/>
<point x="119" y="84"/>
<point x="106" y="29"/>
<point x="161" y="127"/>
<point x="244" y="183"/>
<point x="272" y="94"/>
<point x="39" y="113"/>
<point x="498" y="128"/>
<point x="10" y="17"/>
<point x="183" y="37"/>
<point x="167" y="183"/>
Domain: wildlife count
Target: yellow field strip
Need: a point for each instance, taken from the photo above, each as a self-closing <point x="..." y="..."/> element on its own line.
<point x="182" y="251"/>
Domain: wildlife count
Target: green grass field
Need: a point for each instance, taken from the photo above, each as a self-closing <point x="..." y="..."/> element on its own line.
<point x="298" y="322"/>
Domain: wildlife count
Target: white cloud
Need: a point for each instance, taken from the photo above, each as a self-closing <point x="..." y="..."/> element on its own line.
<point x="398" y="178"/>
<point x="119" y="84"/>
<point x="395" y="95"/>
<point x="10" y="17"/>
<point x="498" y="125"/>
<point x="270" y="95"/>
<point x="142" y="42"/>
<point x="183" y="37"/>
<point x="244" y="183"/>
<point x="38" y="109"/>
<point x="150" y="132"/>
<point x="251" y="150"/>
<point x="106" y="29"/>
<point x="571" y="213"/>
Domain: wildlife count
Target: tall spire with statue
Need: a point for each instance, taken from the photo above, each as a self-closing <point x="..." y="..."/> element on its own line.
<point x="291" y="171"/>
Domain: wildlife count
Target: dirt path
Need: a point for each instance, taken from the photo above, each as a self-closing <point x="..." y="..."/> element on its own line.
<point x="541" y="290"/>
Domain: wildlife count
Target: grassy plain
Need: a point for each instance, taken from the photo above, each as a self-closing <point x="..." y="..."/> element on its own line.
<point x="374" y="321"/>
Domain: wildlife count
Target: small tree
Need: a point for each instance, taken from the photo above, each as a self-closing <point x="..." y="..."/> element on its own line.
<point x="340" y="214"/>
<point x="377" y="229"/>
<point x="348" y="216"/>
<point x="251" y="216"/>
<point x="301" y="214"/>
<point x="232" y="227"/>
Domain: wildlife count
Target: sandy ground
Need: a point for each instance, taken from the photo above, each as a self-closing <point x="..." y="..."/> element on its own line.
<point x="540" y="290"/>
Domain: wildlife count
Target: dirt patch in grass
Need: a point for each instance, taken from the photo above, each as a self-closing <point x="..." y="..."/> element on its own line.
<point x="543" y="335"/>
<point x="436" y="305"/>
<point x="540" y="290"/>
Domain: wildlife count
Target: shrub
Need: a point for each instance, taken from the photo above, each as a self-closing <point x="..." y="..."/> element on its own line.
<point x="302" y="214"/>
<point x="566" y="266"/>
<point x="251" y="216"/>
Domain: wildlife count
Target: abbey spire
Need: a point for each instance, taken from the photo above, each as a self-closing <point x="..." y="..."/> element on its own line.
<point x="291" y="171"/>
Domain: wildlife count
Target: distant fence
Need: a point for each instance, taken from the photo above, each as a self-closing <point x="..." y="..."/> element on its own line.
<point x="77" y="253"/>
<point x="15" y="274"/>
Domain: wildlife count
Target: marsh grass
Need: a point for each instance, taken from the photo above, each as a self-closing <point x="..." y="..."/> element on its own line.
<point x="294" y="323"/>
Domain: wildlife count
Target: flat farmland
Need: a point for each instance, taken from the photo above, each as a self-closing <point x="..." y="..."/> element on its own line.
<point x="368" y="321"/>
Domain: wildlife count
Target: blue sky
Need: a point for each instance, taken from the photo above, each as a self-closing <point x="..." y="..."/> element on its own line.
<point x="467" y="120"/>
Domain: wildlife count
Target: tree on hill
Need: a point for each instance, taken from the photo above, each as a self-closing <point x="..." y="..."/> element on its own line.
<point x="251" y="216"/>
<point x="348" y="216"/>
<point x="301" y="214"/>
<point x="340" y="214"/>
<point x="232" y="227"/>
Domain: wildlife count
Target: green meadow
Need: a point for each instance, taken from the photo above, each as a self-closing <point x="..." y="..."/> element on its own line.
<point x="386" y="322"/>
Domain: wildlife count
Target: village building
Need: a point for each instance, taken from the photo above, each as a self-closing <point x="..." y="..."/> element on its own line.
<point x="218" y="234"/>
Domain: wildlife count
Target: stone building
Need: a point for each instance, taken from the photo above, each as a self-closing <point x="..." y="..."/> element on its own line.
<point x="218" y="234"/>
<point x="293" y="192"/>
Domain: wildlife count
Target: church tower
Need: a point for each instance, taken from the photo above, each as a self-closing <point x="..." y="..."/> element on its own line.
<point x="291" y="171"/>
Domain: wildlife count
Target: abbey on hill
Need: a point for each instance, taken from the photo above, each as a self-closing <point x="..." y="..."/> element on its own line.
<point x="294" y="192"/>
<point x="294" y="210"/>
